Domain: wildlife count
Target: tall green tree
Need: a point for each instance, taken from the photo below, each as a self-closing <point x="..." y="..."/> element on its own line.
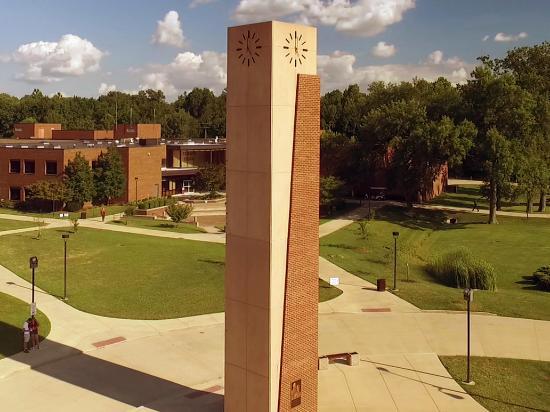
<point x="79" y="179"/>
<point x="109" y="176"/>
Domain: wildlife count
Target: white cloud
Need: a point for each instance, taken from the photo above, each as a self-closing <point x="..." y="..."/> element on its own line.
<point x="505" y="38"/>
<point x="383" y="49"/>
<point x="47" y="62"/>
<point x="105" y="88"/>
<point x="169" y="31"/>
<point x="361" y="17"/>
<point x="196" y="3"/>
<point x="339" y="70"/>
<point x="186" y="71"/>
<point x="485" y="38"/>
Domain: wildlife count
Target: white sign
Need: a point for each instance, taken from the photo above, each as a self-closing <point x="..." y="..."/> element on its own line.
<point x="334" y="281"/>
<point x="33" y="309"/>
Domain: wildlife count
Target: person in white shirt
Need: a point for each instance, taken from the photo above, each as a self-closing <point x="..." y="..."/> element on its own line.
<point x="26" y="335"/>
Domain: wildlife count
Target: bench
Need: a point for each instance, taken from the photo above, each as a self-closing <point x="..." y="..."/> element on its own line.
<point x="350" y="358"/>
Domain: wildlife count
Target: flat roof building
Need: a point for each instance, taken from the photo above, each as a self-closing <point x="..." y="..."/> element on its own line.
<point x="35" y="130"/>
<point x="24" y="162"/>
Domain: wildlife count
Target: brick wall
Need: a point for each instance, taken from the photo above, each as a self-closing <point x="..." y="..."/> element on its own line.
<point x="300" y="324"/>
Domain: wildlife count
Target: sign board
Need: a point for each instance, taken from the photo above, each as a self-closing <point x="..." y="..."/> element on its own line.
<point x="334" y="281"/>
<point x="296" y="393"/>
<point x="33" y="309"/>
<point x="33" y="262"/>
<point x="468" y="295"/>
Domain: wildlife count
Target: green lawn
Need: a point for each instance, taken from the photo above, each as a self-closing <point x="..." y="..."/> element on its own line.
<point x="146" y="223"/>
<point x="125" y="275"/>
<point x="516" y="248"/>
<point x="6" y="224"/>
<point x="504" y="385"/>
<point x="466" y="195"/>
<point x="92" y="212"/>
<point x="13" y="312"/>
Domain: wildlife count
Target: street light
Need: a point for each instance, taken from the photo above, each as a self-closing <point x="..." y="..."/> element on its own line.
<point x="136" y="179"/>
<point x="395" y="236"/>
<point x="468" y="297"/>
<point x="65" y="236"/>
<point x="33" y="263"/>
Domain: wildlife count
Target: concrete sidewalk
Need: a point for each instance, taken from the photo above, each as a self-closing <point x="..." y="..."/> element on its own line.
<point x="94" y="363"/>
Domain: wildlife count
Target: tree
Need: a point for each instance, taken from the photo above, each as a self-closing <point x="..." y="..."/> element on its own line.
<point x="109" y="176"/>
<point x="330" y="192"/>
<point x="50" y="191"/>
<point x="417" y="148"/>
<point x="211" y="178"/>
<point x="504" y="114"/>
<point x="79" y="180"/>
<point x="178" y="212"/>
<point x="499" y="166"/>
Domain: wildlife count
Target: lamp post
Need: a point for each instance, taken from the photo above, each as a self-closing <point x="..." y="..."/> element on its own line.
<point x="65" y="236"/>
<point x="136" y="179"/>
<point x="33" y="264"/>
<point x="395" y="236"/>
<point x="468" y="297"/>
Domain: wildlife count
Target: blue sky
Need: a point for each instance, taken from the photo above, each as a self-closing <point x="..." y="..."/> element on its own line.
<point x="119" y="44"/>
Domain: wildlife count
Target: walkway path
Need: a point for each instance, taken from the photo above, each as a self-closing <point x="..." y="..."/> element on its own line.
<point x="114" y="364"/>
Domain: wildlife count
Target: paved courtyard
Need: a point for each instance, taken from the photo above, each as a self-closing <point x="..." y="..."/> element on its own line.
<point x="96" y="363"/>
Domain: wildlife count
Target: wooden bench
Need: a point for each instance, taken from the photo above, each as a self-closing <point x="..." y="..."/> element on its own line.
<point x="350" y="358"/>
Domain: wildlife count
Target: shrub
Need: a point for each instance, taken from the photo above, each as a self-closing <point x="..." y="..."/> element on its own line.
<point x="7" y="204"/>
<point x="75" y="223"/>
<point x="461" y="269"/>
<point x="179" y="212"/>
<point x="542" y="278"/>
<point x="74" y="205"/>
<point x="130" y="210"/>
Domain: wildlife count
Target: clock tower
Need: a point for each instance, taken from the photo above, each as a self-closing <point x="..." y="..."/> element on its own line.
<point x="271" y="282"/>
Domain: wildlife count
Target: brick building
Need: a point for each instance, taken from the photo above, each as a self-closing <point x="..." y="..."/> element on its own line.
<point x="35" y="130"/>
<point x="24" y="162"/>
<point x="152" y="165"/>
<point x="185" y="158"/>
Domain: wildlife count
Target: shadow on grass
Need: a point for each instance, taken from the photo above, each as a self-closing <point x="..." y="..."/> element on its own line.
<point x="212" y="261"/>
<point x="425" y="219"/>
<point x="123" y="384"/>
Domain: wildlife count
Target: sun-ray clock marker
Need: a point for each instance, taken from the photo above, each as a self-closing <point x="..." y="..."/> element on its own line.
<point x="248" y="50"/>
<point x="295" y="50"/>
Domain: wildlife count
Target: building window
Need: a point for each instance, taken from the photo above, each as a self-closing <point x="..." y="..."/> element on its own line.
<point x="15" y="166"/>
<point x="187" y="186"/>
<point x="51" y="167"/>
<point x="15" y="193"/>
<point x="29" y="167"/>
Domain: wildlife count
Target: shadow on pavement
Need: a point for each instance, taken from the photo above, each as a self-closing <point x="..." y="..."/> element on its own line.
<point x="111" y="380"/>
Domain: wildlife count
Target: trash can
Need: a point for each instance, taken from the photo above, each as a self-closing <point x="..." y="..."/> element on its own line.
<point x="380" y="285"/>
<point x="83" y="215"/>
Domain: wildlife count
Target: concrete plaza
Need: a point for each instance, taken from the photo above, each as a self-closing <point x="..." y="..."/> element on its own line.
<point x="94" y="363"/>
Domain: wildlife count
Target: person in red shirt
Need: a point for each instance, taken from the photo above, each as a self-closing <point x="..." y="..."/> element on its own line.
<point x="35" y="338"/>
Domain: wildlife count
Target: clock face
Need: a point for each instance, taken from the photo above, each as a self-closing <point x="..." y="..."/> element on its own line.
<point x="296" y="48"/>
<point x="248" y="48"/>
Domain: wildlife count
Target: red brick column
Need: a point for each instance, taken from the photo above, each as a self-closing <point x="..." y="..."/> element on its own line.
<point x="298" y="383"/>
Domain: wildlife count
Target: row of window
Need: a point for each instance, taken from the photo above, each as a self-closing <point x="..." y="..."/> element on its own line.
<point x="28" y="167"/>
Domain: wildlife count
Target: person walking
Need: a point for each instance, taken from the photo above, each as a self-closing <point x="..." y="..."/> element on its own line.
<point x="103" y="213"/>
<point x="35" y="338"/>
<point x="26" y="335"/>
<point x="476" y="207"/>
